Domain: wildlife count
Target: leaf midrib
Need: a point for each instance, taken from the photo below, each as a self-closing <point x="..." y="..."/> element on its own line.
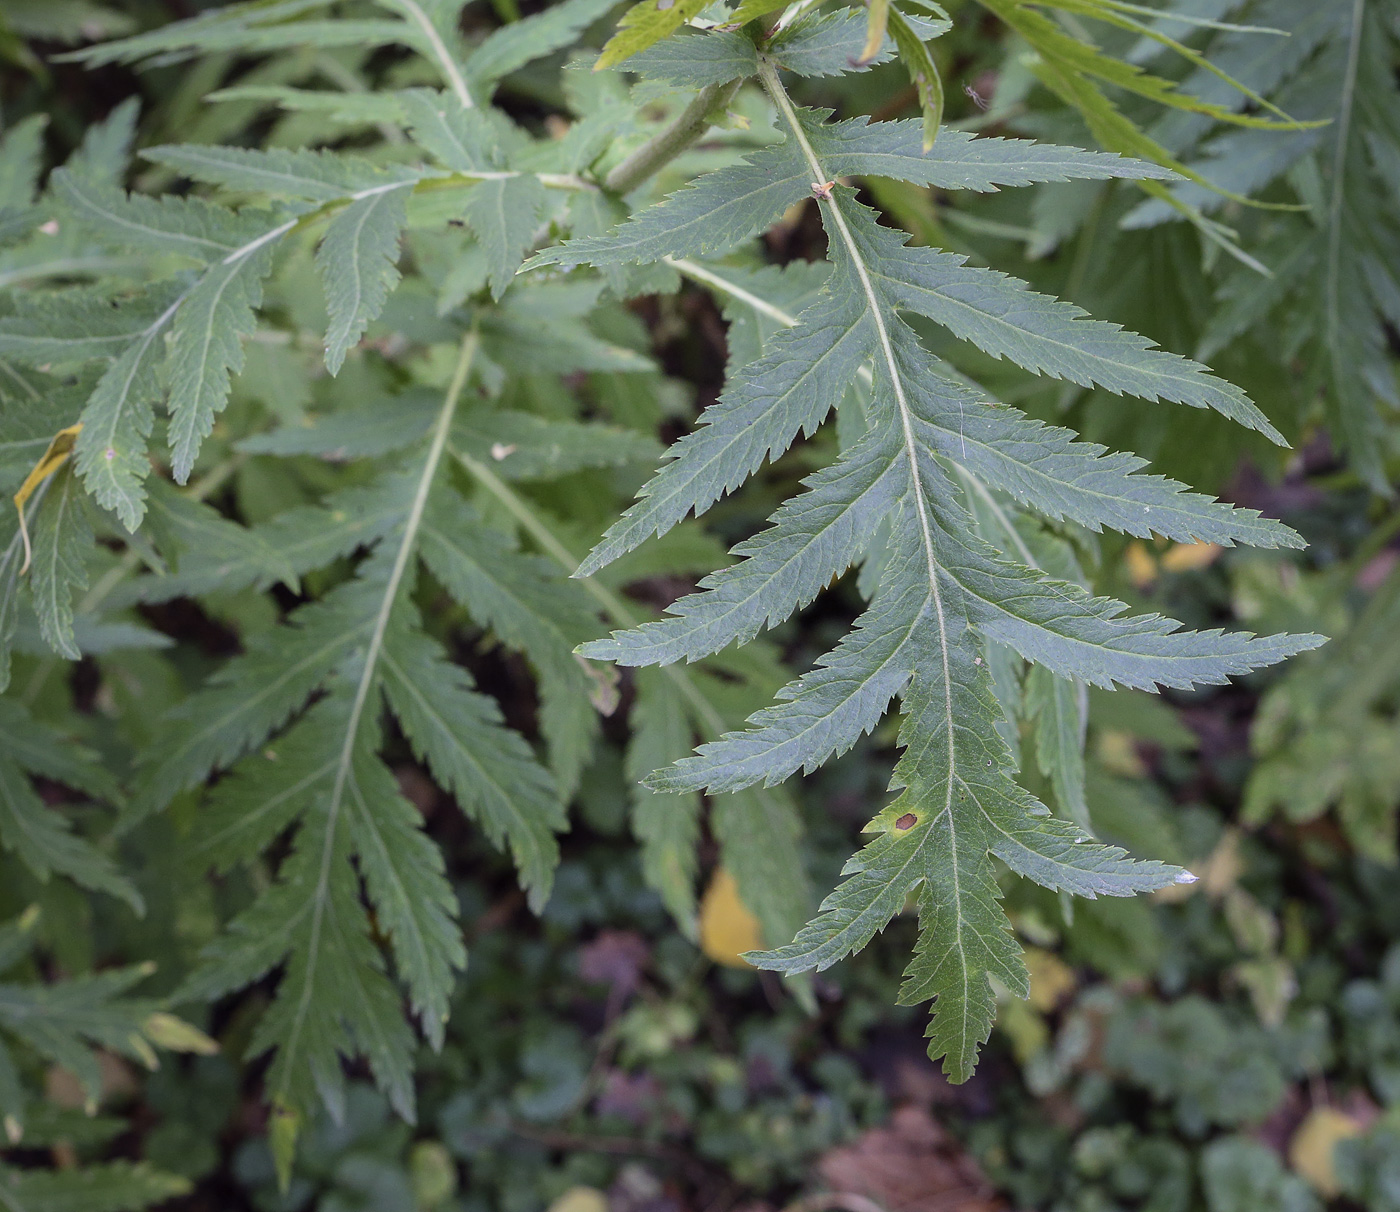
<point x="321" y="893"/>
<point x="105" y="216"/>
<point x="775" y="89"/>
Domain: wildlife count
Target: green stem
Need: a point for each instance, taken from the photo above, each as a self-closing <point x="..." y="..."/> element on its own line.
<point x="441" y="55"/>
<point x="667" y="144"/>
<point x="404" y="555"/>
<point x="615" y="608"/>
<point x="198" y="491"/>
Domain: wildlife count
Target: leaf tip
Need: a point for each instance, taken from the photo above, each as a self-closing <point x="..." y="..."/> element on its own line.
<point x="283" y="1129"/>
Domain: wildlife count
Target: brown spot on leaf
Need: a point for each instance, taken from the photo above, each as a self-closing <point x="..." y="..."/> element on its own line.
<point x="907" y="821"/>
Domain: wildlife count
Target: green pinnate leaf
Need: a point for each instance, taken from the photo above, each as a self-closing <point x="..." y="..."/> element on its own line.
<point x="185" y="227"/>
<point x="696" y="60"/>
<point x="21" y="159"/>
<point x="459" y="137"/>
<point x="943" y="597"/>
<point x="404" y="528"/>
<point x="490" y="769"/>
<point x="110" y="1187"/>
<point x="357" y="261"/>
<point x="923" y="71"/>
<point x="71" y="327"/>
<point x="644" y="24"/>
<point x="405" y="879"/>
<point x="117" y="420"/>
<point x="1060" y="710"/>
<point x="505" y="213"/>
<point x="831" y="43"/>
<point x="666" y="826"/>
<point x="520" y="42"/>
<point x="302" y="173"/>
<point x="62" y="538"/>
<point x="42" y="838"/>
<point x="206" y="349"/>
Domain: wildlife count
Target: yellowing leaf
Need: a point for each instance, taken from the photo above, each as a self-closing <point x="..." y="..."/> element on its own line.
<point x="1023" y="1026"/>
<point x="644" y="24"/>
<point x="728" y="927"/>
<point x="875" y="23"/>
<point x="1141" y="567"/>
<point x="49" y="462"/>
<point x="1190" y="557"/>
<point x="1271" y="986"/>
<point x="177" y="1035"/>
<point x="580" y="1199"/>
<point x="1051" y="978"/>
<point x="1255" y="928"/>
<point x="1223" y="868"/>
<point x="433" y="1173"/>
<point x="1313" y="1148"/>
<point x="283" y="1128"/>
<point x="1117" y="753"/>
<point x="751" y="9"/>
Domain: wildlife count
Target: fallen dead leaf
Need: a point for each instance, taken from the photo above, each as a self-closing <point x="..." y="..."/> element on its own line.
<point x="1221" y="871"/>
<point x="1140" y="564"/>
<point x="728" y="927"/>
<point x="1312" y="1150"/>
<point x="911" y="1165"/>
<point x="616" y="959"/>
<point x="1051" y="978"/>
<point x="1189" y="557"/>
<point x="1117" y="752"/>
<point x="119" y="1081"/>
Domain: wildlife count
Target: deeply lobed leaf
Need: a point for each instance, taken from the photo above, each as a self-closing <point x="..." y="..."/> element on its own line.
<point x="944" y="597"/>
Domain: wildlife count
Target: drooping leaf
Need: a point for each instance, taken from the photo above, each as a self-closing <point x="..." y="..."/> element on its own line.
<point x="943" y="594"/>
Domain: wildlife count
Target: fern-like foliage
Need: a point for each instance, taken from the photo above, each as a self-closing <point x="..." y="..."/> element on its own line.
<point x="64" y="1023"/>
<point x="302" y="757"/>
<point x="1065" y="60"/>
<point x="1333" y="287"/>
<point x="38" y="835"/>
<point x="180" y="340"/>
<point x="130" y="335"/>
<point x="357" y="648"/>
<point x="943" y="597"/>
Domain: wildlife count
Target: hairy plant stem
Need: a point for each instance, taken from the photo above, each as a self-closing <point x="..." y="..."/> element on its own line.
<point x="667" y="144"/>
